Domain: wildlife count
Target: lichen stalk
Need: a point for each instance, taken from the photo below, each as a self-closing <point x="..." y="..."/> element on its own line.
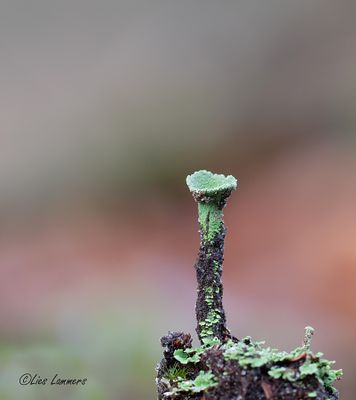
<point x="210" y="314"/>
<point x="224" y="367"/>
<point x="211" y="192"/>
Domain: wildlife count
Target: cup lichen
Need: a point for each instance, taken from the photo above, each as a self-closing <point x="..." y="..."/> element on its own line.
<point x="224" y="367"/>
<point x="211" y="192"/>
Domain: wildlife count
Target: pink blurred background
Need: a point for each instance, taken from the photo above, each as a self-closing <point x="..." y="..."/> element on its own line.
<point x="105" y="107"/>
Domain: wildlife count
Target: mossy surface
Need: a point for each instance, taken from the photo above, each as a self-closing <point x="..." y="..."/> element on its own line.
<point x="176" y="372"/>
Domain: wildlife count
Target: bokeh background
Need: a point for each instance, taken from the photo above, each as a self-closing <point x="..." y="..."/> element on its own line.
<point x="105" y="107"/>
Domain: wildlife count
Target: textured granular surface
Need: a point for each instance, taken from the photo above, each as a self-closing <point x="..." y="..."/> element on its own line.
<point x="230" y="380"/>
<point x="223" y="367"/>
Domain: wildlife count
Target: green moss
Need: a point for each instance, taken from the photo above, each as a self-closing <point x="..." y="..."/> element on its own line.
<point x="176" y="372"/>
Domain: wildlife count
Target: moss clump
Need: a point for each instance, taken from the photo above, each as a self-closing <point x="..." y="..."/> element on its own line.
<point x="176" y="372"/>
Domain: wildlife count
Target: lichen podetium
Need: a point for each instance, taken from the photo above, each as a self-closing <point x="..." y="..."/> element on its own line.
<point x="211" y="192"/>
<point x="224" y="367"/>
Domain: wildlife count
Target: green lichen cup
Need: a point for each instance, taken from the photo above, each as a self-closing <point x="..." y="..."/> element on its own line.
<point x="209" y="187"/>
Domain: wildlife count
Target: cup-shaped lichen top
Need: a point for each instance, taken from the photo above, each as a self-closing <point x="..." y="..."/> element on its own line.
<point x="211" y="192"/>
<point x="206" y="186"/>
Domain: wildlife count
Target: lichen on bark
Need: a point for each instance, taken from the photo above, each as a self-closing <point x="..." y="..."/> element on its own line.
<point x="224" y="367"/>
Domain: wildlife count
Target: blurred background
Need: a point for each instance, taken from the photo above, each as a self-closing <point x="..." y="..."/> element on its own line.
<point x="105" y="107"/>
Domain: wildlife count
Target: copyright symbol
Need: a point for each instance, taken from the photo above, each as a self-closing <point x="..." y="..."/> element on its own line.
<point x="25" y="379"/>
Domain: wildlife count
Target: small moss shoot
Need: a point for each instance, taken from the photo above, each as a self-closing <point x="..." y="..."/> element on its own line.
<point x="176" y="372"/>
